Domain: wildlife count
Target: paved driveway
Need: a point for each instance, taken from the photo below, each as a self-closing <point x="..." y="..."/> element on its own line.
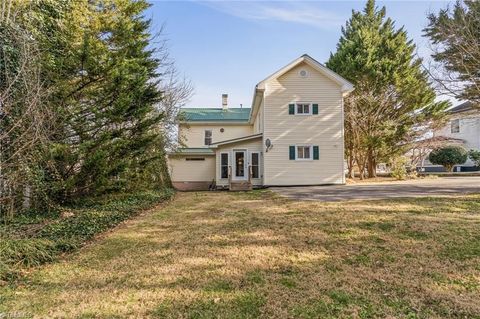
<point x="412" y="188"/>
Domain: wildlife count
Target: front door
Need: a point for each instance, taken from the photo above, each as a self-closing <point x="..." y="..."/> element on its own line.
<point x="240" y="164"/>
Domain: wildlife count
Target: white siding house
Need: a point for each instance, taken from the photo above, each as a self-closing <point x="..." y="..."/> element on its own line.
<point x="291" y="135"/>
<point x="464" y="124"/>
<point x="463" y="127"/>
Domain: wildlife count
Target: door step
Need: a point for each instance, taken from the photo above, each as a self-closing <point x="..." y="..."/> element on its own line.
<point x="240" y="186"/>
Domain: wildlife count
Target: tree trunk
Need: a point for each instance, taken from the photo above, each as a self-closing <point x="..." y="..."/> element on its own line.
<point x="361" y="166"/>
<point x="371" y="165"/>
<point x="350" y="165"/>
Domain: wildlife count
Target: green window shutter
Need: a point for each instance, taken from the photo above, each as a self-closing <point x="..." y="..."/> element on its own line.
<point x="292" y="152"/>
<point x="316" y="154"/>
<point x="291" y="109"/>
<point x="315" y="108"/>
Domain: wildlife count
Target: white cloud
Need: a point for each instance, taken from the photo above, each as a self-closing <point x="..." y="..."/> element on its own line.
<point x="292" y="12"/>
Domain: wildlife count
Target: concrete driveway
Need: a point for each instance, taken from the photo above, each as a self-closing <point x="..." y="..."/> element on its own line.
<point x="412" y="188"/>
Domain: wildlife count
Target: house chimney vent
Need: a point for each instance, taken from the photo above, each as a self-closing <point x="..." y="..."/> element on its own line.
<point x="225" y="101"/>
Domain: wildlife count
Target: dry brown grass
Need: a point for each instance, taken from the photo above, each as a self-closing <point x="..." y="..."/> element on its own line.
<point x="248" y="255"/>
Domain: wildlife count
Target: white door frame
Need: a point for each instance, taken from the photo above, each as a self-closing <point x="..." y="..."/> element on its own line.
<point x="245" y="166"/>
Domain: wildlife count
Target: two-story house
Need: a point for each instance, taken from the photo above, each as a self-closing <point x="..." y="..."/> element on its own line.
<point x="464" y="127"/>
<point x="291" y="135"/>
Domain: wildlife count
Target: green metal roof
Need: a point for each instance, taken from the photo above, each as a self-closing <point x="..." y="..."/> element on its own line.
<point x="215" y="114"/>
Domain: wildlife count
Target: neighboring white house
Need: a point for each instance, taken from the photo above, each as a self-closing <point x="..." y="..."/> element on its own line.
<point x="464" y="128"/>
<point x="291" y="135"/>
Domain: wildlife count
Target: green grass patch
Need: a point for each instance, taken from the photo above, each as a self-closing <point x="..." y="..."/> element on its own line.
<point x="246" y="305"/>
<point x="255" y="277"/>
<point x="226" y="255"/>
<point x="466" y="248"/>
<point x="46" y="236"/>
<point x="336" y="304"/>
<point x="219" y="286"/>
<point x="288" y="282"/>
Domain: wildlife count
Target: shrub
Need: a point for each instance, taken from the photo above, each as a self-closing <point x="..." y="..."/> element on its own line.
<point x="399" y="168"/>
<point x="24" y="252"/>
<point x="63" y="234"/>
<point x="475" y="157"/>
<point x="448" y="156"/>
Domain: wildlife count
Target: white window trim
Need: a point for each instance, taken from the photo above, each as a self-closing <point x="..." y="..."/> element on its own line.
<point x="304" y="159"/>
<point x="228" y="164"/>
<point x="205" y="137"/>
<point x="251" y="163"/>
<point x="310" y="108"/>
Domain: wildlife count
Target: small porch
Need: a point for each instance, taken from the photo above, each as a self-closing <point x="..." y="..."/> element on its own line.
<point x="240" y="173"/>
<point x="239" y="163"/>
<point x="235" y="164"/>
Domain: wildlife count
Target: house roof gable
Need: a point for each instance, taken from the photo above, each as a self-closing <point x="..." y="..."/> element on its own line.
<point x="346" y="86"/>
<point x="246" y="115"/>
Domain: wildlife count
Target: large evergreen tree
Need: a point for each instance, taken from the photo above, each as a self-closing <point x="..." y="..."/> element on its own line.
<point x="104" y="86"/>
<point x="455" y="35"/>
<point x="392" y="94"/>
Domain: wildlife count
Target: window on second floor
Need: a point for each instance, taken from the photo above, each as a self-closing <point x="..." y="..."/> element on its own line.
<point x="455" y="126"/>
<point x="208" y="137"/>
<point x="304" y="152"/>
<point x="303" y="108"/>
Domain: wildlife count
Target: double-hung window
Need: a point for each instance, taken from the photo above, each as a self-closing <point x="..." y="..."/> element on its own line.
<point x="303" y="108"/>
<point x="208" y="137"/>
<point x="255" y="165"/>
<point x="304" y="152"/>
<point x="224" y="165"/>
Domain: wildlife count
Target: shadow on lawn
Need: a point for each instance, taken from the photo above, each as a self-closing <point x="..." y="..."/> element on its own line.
<point x="244" y="255"/>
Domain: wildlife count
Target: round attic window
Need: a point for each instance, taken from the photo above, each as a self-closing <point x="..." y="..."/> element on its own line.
<point x="222" y="130"/>
<point x="303" y="73"/>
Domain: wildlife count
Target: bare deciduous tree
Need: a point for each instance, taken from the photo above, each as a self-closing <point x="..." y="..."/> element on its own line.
<point x="23" y="118"/>
<point x="455" y="45"/>
<point x="177" y="91"/>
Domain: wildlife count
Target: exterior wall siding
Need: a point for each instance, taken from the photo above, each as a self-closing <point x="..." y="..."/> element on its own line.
<point x="194" y="135"/>
<point x="469" y="131"/>
<point x="324" y="129"/>
<point x="182" y="170"/>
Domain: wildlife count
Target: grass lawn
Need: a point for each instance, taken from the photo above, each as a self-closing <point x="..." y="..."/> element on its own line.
<point x="249" y="255"/>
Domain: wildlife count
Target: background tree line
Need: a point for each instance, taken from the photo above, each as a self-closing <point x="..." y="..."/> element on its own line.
<point x="86" y="94"/>
<point x="394" y="102"/>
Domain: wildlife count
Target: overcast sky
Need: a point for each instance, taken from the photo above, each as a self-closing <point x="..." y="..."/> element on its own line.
<point x="229" y="46"/>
